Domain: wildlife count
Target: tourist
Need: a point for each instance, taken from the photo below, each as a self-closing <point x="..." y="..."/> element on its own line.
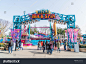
<point x="10" y="45"/>
<point x="43" y="46"/>
<point x="58" y="46"/>
<point x="46" y="45"/>
<point x="55" y="44"/>
<point x="20" y="43"/>
<point x="16" y="44"/>
<point x="21" y="46"/>
<point x="50" y="49"/>
<point x="40" y="46"/>
<point x="65" y="44"/>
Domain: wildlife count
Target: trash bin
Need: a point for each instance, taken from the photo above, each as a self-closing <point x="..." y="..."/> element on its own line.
<point x="76" y="47"/>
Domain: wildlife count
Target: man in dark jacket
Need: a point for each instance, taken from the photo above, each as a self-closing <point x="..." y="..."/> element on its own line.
<point x="50" y="47"/>
<point x="16" y="44"/>
<point x="10" y="46"/>
<point x="43" y="46"/>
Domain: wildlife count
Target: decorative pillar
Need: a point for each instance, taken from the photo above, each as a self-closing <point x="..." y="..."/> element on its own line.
<point x="29" y="30"/>
<point x="50" y="29"/>
<point x="13" y="22"/>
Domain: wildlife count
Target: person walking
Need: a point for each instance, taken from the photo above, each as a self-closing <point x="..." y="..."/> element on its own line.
<point x="20" y="43"/>
<point x="58" y="46"/>
<point x="21" y="46"/>
<point x="10" y="45"/>
<point x="43" y="46"/>
<point x="65" y="44"/>
<point x="38" y="45"/>
<point x="55" y="45"/>
<point x="50" y="49"/>
<point x="16" y="44"/>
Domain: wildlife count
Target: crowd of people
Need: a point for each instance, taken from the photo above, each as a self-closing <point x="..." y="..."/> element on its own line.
<point x="18" y="45"/>
<point x="42" y="45"/>
<point x="50" y="46"/>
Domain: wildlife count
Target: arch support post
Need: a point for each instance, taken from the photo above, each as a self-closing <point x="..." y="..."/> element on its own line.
<point x="29" y="30"/>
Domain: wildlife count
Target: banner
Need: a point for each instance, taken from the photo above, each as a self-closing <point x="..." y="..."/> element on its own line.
<point x="75" y="34"/>
<point x="15" y="34"/>
<point x="69" y="31"/>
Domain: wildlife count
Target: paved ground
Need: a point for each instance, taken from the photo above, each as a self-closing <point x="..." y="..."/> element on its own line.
<point x="32" y="52"/>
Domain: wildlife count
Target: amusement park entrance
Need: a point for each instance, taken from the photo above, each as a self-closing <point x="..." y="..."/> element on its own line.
<point x="51" y="17"/>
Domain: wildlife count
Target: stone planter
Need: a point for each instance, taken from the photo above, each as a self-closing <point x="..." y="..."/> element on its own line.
<point x="82" y="49"/>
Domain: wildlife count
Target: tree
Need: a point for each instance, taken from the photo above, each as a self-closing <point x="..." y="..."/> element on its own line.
<point x="79" y="32"/>
<point x="31" y="32"/>
<point x="4" y="26"/>
<point x="61" y="31"/>
<point x="35" y="29"/>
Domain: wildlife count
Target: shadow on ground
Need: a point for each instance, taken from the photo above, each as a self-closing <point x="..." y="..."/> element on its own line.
<point x="29" y="49"/>
<point x="4" y="52"/>
<point x="37" y="52"/>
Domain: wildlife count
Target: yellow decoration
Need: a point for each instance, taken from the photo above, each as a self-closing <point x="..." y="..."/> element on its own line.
<point x="54" y="27"/>
<point x="76" y="29"/>
<point x="49" y="12"/>
<point x="17" y="31"/>
<point x="36" y="11"/>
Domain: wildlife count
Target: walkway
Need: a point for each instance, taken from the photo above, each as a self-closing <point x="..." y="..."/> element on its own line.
<point x="32" y="52"/>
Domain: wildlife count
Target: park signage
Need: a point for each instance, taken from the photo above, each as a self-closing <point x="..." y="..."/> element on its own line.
<point x="44" y="14"/>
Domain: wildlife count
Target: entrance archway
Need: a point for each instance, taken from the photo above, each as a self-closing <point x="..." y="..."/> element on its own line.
<point x="44" y="15"/>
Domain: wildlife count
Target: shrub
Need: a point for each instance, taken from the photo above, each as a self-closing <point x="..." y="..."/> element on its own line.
<point x="82" y="46"/>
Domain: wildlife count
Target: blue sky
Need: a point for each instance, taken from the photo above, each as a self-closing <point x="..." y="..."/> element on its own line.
<point x="16" y="7"/>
